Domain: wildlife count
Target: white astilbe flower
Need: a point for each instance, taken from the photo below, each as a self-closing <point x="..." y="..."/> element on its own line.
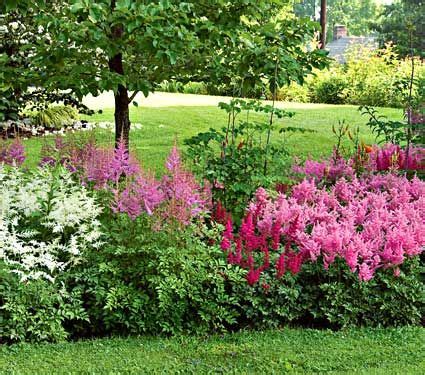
<point x="47" y="220"/>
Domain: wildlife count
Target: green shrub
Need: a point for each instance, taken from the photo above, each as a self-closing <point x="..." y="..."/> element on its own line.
<point x="240" y="158"/>
<point x="55" y="117"/>
<point x="157" y="282"/>
<point x="374" y="78"/>
<point x="337" y="298"/>
<point x="197" y="88"/>
<point x="292" y="93"/>
<point x="334" y="298"/>
<point x="37" y="310"/>
<point x="329" y="88"/>
<point x="171" y="86"/>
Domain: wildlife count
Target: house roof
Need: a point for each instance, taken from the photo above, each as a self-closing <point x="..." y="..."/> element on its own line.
<point x="338" y="48"/>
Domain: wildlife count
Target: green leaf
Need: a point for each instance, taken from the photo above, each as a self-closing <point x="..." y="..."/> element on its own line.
<point x="76" y="7"/>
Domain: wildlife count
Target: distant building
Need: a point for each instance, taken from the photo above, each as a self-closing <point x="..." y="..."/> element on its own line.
<point x="342" y="43"/>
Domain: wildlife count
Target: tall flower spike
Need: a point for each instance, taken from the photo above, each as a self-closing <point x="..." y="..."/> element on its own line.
<point x="173" y="162"/>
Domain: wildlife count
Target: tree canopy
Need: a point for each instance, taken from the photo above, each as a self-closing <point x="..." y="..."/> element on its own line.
<point x="131" y="46"/>
<point x="403" y="24"/>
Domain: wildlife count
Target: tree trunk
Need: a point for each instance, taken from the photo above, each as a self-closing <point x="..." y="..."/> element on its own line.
<point x="122" y="113"/>
<point x="122" y="116"/>
<point x="323" y="24"/>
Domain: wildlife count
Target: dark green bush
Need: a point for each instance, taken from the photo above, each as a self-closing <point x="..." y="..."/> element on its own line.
<point x="37" y="310"/>
<point x="329" y="89"/>
<point x="170" y="281"/>
<point x="334" y="298"/>
<point x="337" y="298"/>
<point x="164" y="281"/>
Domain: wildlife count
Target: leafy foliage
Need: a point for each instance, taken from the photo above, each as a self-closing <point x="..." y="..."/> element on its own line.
<point x="354" y="14"/>
<point x="402" y="23"/>
<point x="96" y="46"/>
<point x="38" y="310"/>
<point x="240" y="158"/>
<point x="55" y="117"/>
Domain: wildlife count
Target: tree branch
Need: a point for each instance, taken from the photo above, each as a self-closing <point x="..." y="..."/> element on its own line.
<point x="130" y="99"/>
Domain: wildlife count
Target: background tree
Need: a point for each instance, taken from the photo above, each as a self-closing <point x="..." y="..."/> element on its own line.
<point x="306" y="8"/>
<point x="355" y="14"/>
<point x="400" y="19"/>
<point x="132" y="46"/>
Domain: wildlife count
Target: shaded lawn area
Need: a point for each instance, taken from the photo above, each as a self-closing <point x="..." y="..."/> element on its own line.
<point x="360" y="351"/>
<point x="160" y="126"/>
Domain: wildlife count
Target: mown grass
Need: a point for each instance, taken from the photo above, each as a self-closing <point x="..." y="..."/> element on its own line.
<point x="160" y="126"/>
<point x="303" y="351"/>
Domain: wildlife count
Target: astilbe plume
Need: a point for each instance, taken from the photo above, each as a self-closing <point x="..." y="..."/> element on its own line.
<point x="371" y="222"/>
<point x="328" y="170"/>
<point x="185" y="198"/>
<point x="12" y="154"/>
<point x="176" y="197"/>
<point x="393" y="157"/>
<point x="106" y="166"/>
<point x="141" y="195"/>
<point x="219" y="214"/>
<point x="70" y="153"/>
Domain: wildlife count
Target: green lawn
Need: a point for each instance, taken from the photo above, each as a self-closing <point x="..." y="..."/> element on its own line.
<point x="162" y="125"/>
<point x="303" y="351"/>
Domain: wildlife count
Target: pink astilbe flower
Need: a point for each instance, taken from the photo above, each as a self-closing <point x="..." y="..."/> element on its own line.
<point x="326" y="170"/>
<point x="185" y="198"/>
<point x="71" y="154"/>
<point x="373" y="222"/>
<point x="105" y="166"/>
<point x="122" y="163"/>
<point x="176" y="197"/>
<point x="12" y="154"/>
<point x="142" y="195"/>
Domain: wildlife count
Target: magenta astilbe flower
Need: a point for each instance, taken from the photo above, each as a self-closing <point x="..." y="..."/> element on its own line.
<point x="70" y="153"/>
<point x="13" y="154"/>
<point x="105" y="166"/>
<point x="393" y="157"/>
<point x="253" y="276"/>
<point x="227" y="236"/>
<point x="173" y="163"/>
<point x="312" y="168"/>
<point x="122" y="164"/>
<point x="97" y="168"/>
<point x="127" y="202"/>
<point x="219" y="214"/>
